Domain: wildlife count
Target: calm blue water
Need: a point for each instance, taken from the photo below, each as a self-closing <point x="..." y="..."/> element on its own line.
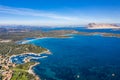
<point x="83" y="29"/>
<point x="80" y="58"/>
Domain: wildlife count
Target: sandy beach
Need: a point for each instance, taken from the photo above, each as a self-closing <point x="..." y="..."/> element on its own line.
<point x="27" y="41"/>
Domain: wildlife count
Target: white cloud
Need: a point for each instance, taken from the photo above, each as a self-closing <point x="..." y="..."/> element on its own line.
<point x="12" y="15"/>
<point x="34" y="13"/>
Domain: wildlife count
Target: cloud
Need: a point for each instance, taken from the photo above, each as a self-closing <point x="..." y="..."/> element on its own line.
<point x="34" y="13"/>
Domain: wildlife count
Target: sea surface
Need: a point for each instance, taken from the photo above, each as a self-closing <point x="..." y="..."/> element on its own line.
<point x="82" y="29"/>
<point x="78" y="58"/>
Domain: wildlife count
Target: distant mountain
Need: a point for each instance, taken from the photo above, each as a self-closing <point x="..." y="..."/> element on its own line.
<point x="103" y="26"/>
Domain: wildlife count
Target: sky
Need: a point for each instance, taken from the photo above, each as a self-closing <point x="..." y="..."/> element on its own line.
<point x="59" y="12"/>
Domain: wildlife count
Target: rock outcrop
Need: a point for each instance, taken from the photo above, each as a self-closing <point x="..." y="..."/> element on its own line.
<point x="102" y="26"/>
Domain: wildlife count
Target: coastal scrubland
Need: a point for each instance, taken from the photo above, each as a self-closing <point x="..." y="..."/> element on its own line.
<point x="10" y="49"/>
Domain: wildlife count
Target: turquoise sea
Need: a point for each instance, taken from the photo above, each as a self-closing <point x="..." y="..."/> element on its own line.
<point x="79" y="58"/>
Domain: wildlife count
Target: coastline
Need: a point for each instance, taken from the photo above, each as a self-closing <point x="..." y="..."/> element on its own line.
<point x="37" y="38"/>
<point x="45" y="52"/>
<point x="26" y="60"/>
<point x="27" y="41"/>
<point x="31" y="71"/>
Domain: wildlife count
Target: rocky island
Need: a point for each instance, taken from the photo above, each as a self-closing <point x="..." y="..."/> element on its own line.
<point x="103" y="26"/>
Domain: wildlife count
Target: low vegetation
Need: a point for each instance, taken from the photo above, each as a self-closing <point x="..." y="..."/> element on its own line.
<point x="20" y="72"/>
<point x="15" y="49"/>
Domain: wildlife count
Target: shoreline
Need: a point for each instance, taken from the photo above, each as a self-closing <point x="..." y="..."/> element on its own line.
<point x="37" y="38"/>
<point x="38" y="54"/>
<point x="45" y="52"/>
<point x="26" y="60"/>
<point x="27" y="41"/>
<point x="31" y="71"/>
